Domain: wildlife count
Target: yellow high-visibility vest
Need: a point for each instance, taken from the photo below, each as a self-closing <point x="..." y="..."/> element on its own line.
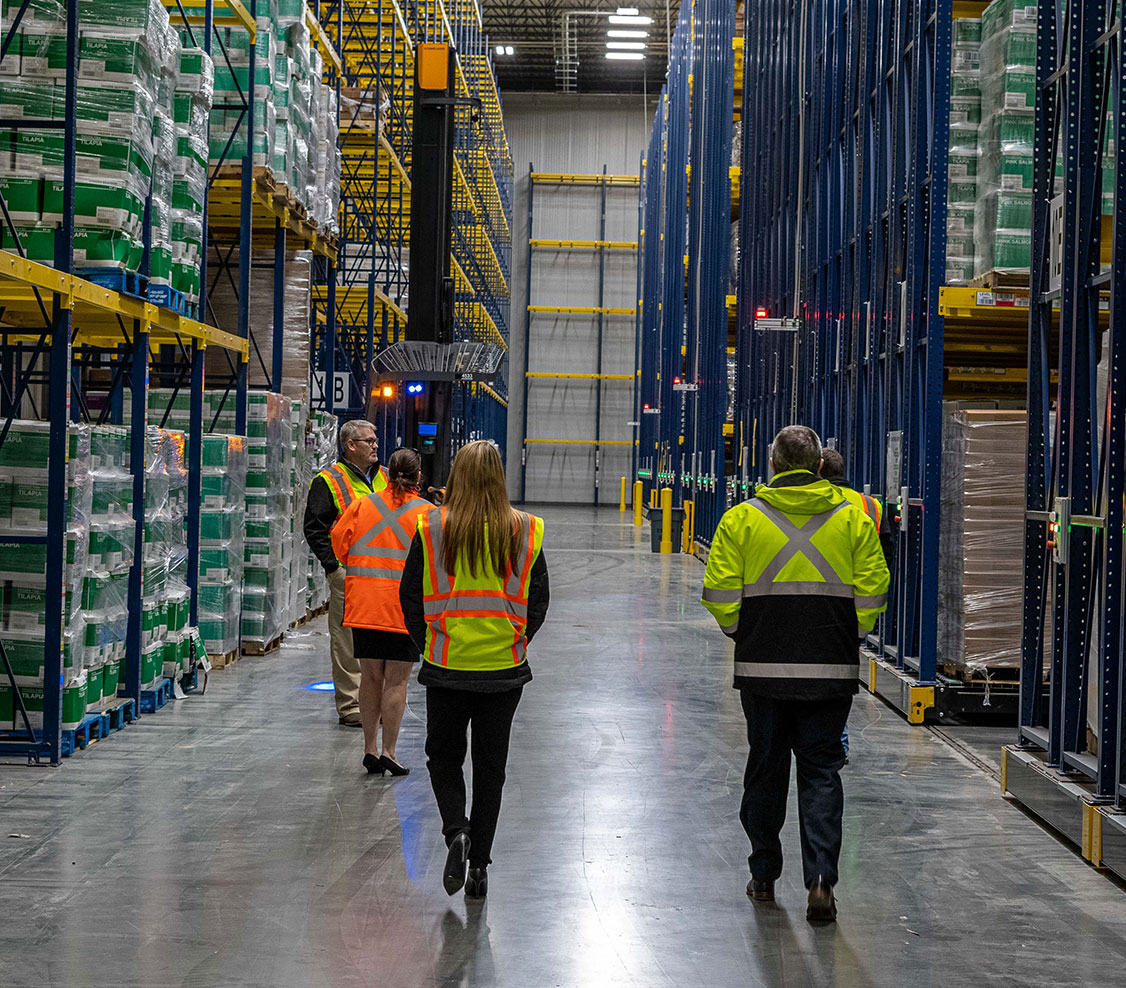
<point x="476" y="623"/>
<point x="346" y="487"/>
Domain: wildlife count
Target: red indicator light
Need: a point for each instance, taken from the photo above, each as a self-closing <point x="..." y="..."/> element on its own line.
<point x="760" y="313"/>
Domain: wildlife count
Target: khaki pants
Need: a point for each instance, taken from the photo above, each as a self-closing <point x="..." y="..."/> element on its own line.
<point x="345" y="665"/>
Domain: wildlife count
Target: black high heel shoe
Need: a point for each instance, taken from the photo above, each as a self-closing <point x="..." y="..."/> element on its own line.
<point x="477" y="883"/>
<point x="373" y="764"/>
<point x="392" y="766"/>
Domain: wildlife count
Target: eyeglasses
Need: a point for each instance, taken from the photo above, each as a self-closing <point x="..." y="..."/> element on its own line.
<point x="371" y="442"/>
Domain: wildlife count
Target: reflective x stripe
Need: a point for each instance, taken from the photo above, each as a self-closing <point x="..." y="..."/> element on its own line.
<point x="362" y="546"/>
<point x="713" y="595"/>
<point x="879" y="600"/>
<point x="799" y="540"/>
<point x="347" y="495"/>
<point x="797" y="670"/>
<point x="438" y="574"/>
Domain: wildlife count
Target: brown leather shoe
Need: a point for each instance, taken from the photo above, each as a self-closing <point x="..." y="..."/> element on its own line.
<point x="822" y="906"/>
<point x="760" y="891"/>
<point x="350" y="721"/>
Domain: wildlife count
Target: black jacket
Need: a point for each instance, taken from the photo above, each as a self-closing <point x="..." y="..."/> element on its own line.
<point x="320" y="516"/>
<point x="493" y="681"/>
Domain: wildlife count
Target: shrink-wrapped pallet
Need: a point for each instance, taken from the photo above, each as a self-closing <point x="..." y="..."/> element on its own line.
<point x="981" y="552"/>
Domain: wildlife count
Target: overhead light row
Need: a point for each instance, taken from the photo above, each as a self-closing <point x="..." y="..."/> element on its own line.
<point x="627" y="51"/>
<point x="505" y="50"/>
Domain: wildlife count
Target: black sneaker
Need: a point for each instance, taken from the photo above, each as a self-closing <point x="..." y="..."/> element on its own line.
<point x="760" y="891"/>
<point x="457" y="858"/>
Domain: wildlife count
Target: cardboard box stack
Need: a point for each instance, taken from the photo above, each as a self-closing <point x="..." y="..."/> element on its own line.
<point x="981" y="556"/>
<point x="222" y="526"/>
<point x="23" y="572"/>
<point x="1003" y="216"/>
<point x="962" y="162"/>
<point x="123" y="45"/>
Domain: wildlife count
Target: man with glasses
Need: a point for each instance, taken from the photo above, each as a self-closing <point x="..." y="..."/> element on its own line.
<point x="356" y="474"/>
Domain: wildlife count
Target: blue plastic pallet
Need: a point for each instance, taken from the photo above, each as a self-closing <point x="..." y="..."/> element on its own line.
<point x="153" y="700"/>
<point x="124" y="713"/>
<point x="167" y="297"/>
<point x="117" y="280"/>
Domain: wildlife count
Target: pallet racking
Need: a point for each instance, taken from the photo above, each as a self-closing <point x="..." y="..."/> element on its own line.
<point x="90" y="350"/>
<point x="1069" y="765"/>
<point x="363" y="310"/>
<point x="595" y="379"/>
<point x="684" y="324"/>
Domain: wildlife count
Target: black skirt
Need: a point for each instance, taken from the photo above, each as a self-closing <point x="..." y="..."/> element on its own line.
<point x="391" y="646"/>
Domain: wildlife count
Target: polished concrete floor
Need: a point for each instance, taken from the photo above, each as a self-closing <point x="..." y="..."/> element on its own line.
<point x="233" y="840"/>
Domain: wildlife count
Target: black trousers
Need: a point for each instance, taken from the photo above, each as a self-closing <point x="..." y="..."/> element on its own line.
<point x="811" y="730"/>
<point x="448" y="714"/>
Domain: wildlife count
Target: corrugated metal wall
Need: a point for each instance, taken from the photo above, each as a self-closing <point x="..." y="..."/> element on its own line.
<point x="577" y="134"/>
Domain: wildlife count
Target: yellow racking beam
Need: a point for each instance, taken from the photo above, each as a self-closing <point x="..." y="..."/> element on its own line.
<point x="589" y="310"/>
<point x="547" y="178"/>
<point x="585" y="244"/>
<point x="491" y="393"/>
<point x="99" y="314"/>
<point x="328" y="50"/>
<point x="581" y="377"/>
<point x="237" y="14"/>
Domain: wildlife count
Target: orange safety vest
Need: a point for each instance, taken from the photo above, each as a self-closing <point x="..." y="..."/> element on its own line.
<point x="476" y="623"/>
<point x="868" y="504"/>
<point x="371" y="539"/>
<point x="344" y="486"/>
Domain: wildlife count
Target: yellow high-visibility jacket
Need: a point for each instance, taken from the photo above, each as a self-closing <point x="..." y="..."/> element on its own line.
<point x="796" y="577"/>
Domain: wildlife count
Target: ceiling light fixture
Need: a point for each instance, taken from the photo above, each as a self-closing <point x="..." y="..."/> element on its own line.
<point x="627" y="11"/>
<point x="627" y="45"/>
<point x="500" y="49"/>
<point x="630" y="19"/>
<point x="509" y="50"/>
<point x="627" y="34"/>
<point x="626" y="56"/>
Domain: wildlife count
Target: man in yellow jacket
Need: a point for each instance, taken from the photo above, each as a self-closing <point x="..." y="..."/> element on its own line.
<point x="796" y="578"/>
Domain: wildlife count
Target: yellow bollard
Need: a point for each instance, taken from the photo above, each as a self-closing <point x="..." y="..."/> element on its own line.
<point x="638" y="497"/>
<point x="653" y="497"/>
<point x="688" y="534"/>
<point x="622" y="505"/>
<point x="666" y="519"/>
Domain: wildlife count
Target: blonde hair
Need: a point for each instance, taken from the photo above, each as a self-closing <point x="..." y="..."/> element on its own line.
<point x="480" y="522"/>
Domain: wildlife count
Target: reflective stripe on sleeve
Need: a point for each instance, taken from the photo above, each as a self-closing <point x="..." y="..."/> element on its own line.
<point x="797" y="670"/>
<point x="714" y="595"/>
<point x="879" y="600"/>
<point x="731" y="628"/>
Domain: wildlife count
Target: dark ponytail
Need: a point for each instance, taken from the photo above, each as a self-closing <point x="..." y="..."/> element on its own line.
<point x="402" y="472"/>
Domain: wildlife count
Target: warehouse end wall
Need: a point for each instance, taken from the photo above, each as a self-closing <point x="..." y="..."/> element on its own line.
<point x="573" y="134"/>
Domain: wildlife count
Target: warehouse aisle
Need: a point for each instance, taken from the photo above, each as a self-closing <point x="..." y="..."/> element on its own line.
<point x="233" y="839"/>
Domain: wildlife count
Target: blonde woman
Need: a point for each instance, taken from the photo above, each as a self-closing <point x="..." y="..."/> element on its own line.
<point x="473" y="593"/>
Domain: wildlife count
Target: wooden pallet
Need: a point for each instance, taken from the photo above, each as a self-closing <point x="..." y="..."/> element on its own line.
<point x="224" y="660"/>
<point x="258" y="648"/>
<point x="1000" y="280"/>
<point x="993" y="676"/>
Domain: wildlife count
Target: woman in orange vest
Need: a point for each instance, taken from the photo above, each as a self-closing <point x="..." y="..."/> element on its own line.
<point x="371" y="540"/>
